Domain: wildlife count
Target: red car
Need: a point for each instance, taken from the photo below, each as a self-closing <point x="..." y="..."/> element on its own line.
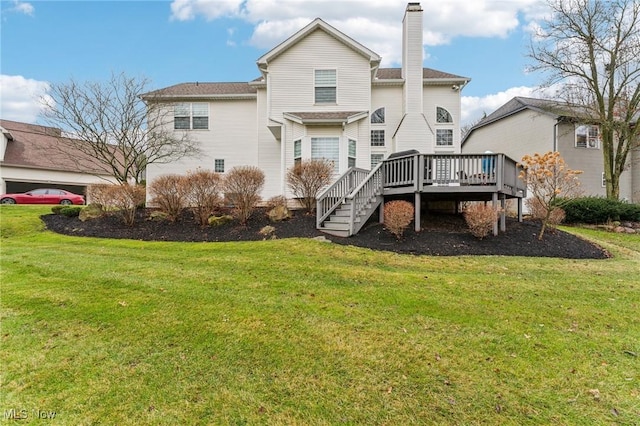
<point x="43" y="196"/>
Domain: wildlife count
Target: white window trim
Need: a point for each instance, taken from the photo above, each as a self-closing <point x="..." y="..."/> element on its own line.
<point x="355" y="154"/>
<point x="215" y="165"/>
<point x="588" y="144"/>
<point x="315" y="101"/>
<point x="446" y="123"/>
<point x="191" y="116"/>
<point x="336" y="161"/>
<point x="452" y="138"/>
<point x="384" y="118"/>
<point x="384" y="139"/>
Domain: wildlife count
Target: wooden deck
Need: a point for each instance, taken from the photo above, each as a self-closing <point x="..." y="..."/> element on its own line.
<point x="345" y="206"/>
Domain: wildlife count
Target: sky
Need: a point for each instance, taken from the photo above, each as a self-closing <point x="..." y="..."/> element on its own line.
<point x="171" y="42"/>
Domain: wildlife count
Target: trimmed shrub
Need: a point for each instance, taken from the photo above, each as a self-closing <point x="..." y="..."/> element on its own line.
<point x="480" y="219"/>
<point x="71" y="211"/>
<point x="599" y="210"/>
<point x="398" y="215"/>
<point x="307" y="178"/>
<point x="99" y="194"/>
<point x="168" y="193"/>
<point x="242" y="186"/>
<point x="125" y="199"/>
<point x="56" y="209"/>
<point x="203" y="194"/>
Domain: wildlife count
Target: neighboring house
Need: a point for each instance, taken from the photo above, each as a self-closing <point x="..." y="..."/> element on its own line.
<point x="30" y="158"/>
<point x="321" y="94"/>
<point x="527" y="126"/>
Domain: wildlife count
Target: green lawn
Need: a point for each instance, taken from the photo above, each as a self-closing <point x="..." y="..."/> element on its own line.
<point x="303" y="332"/>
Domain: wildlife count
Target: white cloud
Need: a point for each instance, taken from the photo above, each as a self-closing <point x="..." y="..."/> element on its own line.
<point x="22" y="7"/>
<point x="374" y="23"/>
<point x="20" y="98"/>
<point x="186" y="10"/>
<point x="474" y="107"/>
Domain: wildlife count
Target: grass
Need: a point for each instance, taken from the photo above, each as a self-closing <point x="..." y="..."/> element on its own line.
<point x="304" y="332"/>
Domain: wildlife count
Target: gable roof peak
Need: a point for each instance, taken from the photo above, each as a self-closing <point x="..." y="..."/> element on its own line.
<point x="317" y="24"/>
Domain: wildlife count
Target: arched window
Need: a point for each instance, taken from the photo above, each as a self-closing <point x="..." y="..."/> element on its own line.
<point x="443" y="116"/>
<point x="378" y="116"/>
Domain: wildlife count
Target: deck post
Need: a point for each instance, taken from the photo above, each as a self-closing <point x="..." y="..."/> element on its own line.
<point x="494" y="205"/>
<point x="381" y="212"/>
<point x="520" y="209"/>
<point x="503" y="213"/>
<point x="416" y="208"/>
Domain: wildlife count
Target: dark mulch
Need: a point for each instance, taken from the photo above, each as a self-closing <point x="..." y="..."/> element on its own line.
<point x="442" y="235"/>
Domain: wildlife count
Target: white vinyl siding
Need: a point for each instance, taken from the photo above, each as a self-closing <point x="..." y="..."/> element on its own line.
<point x="328" y="149"/>
<point x="191" y="116"/>
<point x="291" y="78"/>
<point x="325" y="86"/>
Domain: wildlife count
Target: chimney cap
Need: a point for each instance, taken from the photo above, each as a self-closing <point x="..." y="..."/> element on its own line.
<point x="414" y="7"/>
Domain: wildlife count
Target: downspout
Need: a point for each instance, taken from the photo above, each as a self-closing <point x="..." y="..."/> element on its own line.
<point x="555" y="136"/>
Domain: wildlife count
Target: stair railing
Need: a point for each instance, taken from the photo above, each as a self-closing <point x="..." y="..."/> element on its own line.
<point x="362" y="195"/>
<point x="333" y="197"/>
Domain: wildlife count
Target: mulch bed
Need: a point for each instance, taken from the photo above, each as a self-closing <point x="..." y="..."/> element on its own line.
<point x="442" y="235"/>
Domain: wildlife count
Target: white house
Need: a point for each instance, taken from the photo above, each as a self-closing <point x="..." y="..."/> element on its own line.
<point x="30" y="158"/>
<point x="320" y="94"/>
<point x="525" y="126"/>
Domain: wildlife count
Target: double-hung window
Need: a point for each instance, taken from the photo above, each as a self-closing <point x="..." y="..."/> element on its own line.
<point x="444" y="137"/>
<point x="191" y="116"/>
<point x="325" y="87"/>
<point x="376" y="159"/>
<point x="328" y="149"/>
<point x="352" y="153"/>
<point x="587" y="136"/>
<point x="297" y="151"/>
<point x="218" y="165"/>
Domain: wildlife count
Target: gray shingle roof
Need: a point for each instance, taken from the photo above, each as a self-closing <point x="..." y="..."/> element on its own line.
<point x="189" y="90"/>
<point x="35" y="146"/>
<point x="428" y="73"/>
<point x="203" y="89"/>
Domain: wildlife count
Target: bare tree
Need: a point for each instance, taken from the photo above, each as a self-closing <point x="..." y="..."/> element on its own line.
<point x="593" y="47"/>
<point x="108" y="125"/>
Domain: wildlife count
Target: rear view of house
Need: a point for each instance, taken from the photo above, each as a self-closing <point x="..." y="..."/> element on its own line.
<point x="319" y="94"/>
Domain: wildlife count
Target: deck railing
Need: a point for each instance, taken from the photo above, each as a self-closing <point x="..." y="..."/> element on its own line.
<point x="419" y="170"/>
<point x="334" y="195"/>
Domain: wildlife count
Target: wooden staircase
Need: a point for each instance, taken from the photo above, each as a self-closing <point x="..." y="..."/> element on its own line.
<point x="344" y="207"/>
